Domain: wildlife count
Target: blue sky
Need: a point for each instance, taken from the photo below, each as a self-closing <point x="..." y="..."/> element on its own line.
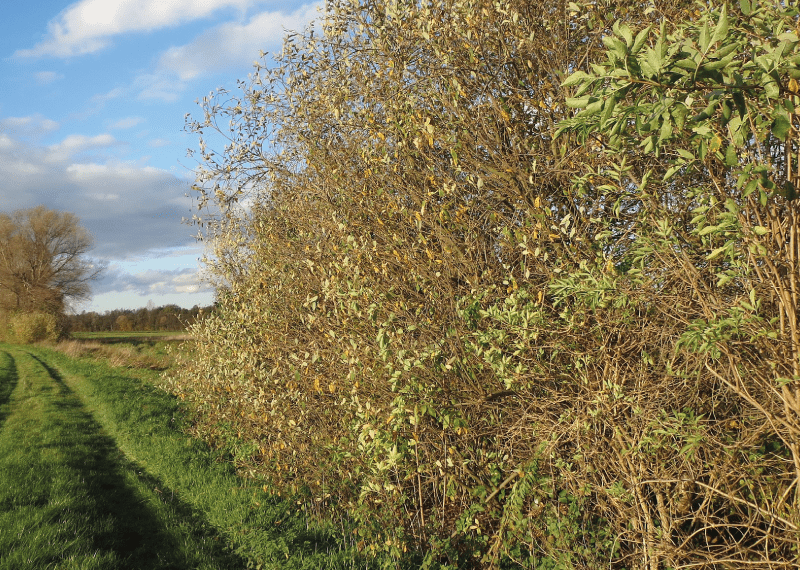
<point x="93" y="97"/>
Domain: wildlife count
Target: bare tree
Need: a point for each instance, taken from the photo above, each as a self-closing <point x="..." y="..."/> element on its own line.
<point x="43" y="263"/>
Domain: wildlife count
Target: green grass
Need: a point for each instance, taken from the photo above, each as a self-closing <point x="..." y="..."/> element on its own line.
<point x="112" y="337"/>
<point x="70" y="499"/>
<point x="95" y="473"/>
<point x="127" y="334"/>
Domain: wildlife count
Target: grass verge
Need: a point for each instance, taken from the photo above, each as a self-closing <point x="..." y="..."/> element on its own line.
<point x="70" y="499"/>
<point x="100" y="456"/>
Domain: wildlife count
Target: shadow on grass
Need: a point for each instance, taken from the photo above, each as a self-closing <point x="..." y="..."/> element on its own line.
<point x="134" y="533"/>
<point x="7" y="384"/>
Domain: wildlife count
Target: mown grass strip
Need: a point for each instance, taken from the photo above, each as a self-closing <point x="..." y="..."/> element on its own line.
<point x="70" y="499"/>
<point x="145" y="422"/>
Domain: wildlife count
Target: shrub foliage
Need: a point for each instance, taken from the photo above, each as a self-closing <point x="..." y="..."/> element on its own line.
<point x="515" y="283"/>
<point x="28" y="327"/>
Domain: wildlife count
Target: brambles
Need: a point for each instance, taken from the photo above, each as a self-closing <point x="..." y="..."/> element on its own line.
<point x="481" y="326"/>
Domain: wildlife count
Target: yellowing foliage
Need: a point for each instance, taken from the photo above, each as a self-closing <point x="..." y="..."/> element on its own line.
<point x="523" y="338"/>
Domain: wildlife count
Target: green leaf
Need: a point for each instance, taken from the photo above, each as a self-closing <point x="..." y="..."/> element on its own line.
<point x="788" y="191"/>
<point x="705" y="37"/>
<point x="727" y="49"/>
<point x="608" y="109"/>
<point x="731" y="156"/>
<point x="722" y="26"/>
<point x="576" y="78"/>
<point x="781" y="126"/>
<point x="666" y="129"/>
<point x="707" y="230"/>
<point x="719" y="64"/>
<point x="592" y="108"/>
<point x="726" y="111"/>
<point x="749" y="188"/>
<point x="771" y="89"/>
<point x="687" y="63"/>
<point x="615" y="46"/>
<point x="640" y="39"/>
<point x="623" y="31"/>
<point x="671" y="171"/>
<point x="760" y="230"/>
<point x="654" y="60"/>
<point x="737" y="130"/>
<point x="577" y="102"/>
<point x="717" y="252"/>
<point x="746" y="7"/>
<point x="679" y="112"/>
<point x="708" y="111"/>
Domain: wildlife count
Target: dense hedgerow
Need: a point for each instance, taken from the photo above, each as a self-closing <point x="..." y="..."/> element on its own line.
<point x="515" y="283"/>
<point x="28" y="327"/>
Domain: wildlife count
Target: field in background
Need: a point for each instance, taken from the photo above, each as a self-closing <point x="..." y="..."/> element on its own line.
<point x="133" y="336"/>
<point x="137" y="349"/>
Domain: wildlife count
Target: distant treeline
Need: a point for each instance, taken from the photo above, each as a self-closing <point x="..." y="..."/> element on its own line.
<point x="166" y="318"/>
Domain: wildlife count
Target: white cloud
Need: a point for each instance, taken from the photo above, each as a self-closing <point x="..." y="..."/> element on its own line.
<point x="104" y="98"/>
<point x="133" y="212"/>
<point x="120" y="171"/>
<point x="152" y="281"/>
<point x="228" y="46"/>
<point x="129" y="208"/>
<point x="45" y="77"/>
<point x="156" y="143"/>
<point x="30" y="125"/>
<point x="234" y="44"/>
<point x="75" y="144"/>
<point x="158" y="86"/>
<point x="6" y="142"/>
<point x="87" y="26"/>
<point x="126" y="123"/>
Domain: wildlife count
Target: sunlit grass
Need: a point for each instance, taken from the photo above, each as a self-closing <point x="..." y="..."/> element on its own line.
<point x="96" y="473"/>
<point x="68" y="496"/>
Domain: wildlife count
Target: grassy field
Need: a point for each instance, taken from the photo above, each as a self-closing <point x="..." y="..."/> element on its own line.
<point x="95" y="472"/>
<point x="131" y="336"/>
<point x="146" y="349"/>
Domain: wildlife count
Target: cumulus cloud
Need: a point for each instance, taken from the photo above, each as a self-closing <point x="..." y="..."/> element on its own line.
<point x="233" y="44"/>
<point x="228" y="46"/>
<point x="27" y="126"/>
<point x="151" y="282"/>
<point x="87" y="26"/>
<point x="126" y="123"/>
<point x="129" y="209"/>
<point x="76" y="144"/>
<point x="45" y="77"/>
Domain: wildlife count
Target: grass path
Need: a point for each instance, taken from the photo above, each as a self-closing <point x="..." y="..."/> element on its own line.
<point x="94" y="474"/>
<point x="68" y="496"/>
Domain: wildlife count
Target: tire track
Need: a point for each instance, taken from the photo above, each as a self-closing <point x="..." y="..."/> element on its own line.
<point x="71" y="493"/>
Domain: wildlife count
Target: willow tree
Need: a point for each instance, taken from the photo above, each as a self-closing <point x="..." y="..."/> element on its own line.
<point x="43" y="262"/>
